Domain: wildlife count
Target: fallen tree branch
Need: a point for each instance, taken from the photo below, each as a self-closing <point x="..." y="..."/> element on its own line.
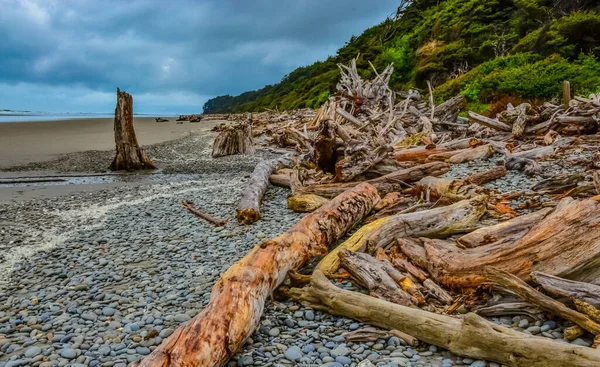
<point x="190" y="206"/>
<point x="545" y="303"/>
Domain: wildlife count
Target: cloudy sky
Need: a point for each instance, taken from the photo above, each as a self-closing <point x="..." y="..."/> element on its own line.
<point x="71" y="55"/>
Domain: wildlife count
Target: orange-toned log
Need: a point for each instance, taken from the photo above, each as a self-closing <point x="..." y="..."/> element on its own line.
<point x="238" y="297"/>
<point x="566" y="243"/>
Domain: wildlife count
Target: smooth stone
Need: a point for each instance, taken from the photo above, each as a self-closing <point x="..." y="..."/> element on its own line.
<point x="293" y="353"/>
<point x="108" y="311"/>
<point x="582" y="342"/>
<point x="68" y="353"/>
<point x="309" y="315"/>
<point x="274" y="331"/>
<point x="478" y="363"/>
<point x="182" y="317"/>
<point x="32" y="352"/>
<point x="343" y="360"/>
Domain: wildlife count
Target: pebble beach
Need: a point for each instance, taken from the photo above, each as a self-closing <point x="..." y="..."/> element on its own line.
<point x="101" y="277"/>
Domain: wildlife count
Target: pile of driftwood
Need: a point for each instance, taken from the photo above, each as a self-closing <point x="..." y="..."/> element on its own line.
<point x="571" y="117"/>
<point x="435" y="254"/>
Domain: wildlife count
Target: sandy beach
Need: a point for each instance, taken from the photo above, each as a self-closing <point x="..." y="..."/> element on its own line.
<point x="25" y="142"/>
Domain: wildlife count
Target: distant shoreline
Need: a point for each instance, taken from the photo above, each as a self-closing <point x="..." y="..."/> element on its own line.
<point x="37" y="117"/>
<point x="35" y="141"/>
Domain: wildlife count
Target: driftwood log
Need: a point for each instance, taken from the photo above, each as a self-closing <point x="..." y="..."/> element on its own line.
<point x="471" y="336"/>
<point x="487" y="176"/>
<point x="130" y="156"/>
<point x="248" y="209"/>
<point x="384" y="184"/>
<point x="566" y="243"/>
<point x="560" y="287"/>
<point x="233" y="140"/>
<point x="238" y="297"/>
<point x="437" y="223"/>
<point x="209" y="218"/>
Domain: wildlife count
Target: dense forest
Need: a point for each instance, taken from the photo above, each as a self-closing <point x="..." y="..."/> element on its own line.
<point x="487" y="50"/>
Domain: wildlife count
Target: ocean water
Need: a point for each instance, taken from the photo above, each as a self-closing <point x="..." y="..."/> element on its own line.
<point x="27" y="116"/>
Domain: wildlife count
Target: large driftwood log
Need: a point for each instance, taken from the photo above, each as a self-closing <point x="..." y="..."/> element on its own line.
<point x="439" y="222"/>
<point x="238" y="297"/>
<point x="511" y="230"/>
<point x="130" y="156"/>
<point x="248" y="209"/>
<point x="233" y="140"/>
<point x="422" y="153"/>
<point x="565" y="243"/>
<point x="545" y="303"/>
<point x="384" y="184"/>
<point x="471" y="336"/>
<point x="560" y="287"/>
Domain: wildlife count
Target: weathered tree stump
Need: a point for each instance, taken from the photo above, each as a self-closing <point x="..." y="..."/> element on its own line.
<point x="130" y="156"/>
<point x="233" y="140"/>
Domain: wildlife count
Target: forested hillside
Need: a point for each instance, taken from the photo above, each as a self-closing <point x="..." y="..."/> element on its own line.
<point x="487" y="50"/>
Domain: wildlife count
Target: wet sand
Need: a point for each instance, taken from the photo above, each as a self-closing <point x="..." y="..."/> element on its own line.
<point x="26" y="142"/>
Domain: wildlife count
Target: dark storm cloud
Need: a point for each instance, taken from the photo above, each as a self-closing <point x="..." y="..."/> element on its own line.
<point x="173" y="54"/>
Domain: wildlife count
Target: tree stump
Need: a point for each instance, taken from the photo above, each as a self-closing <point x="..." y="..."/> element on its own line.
<point x="233" y="140"/>
<point x="130" y="156"/>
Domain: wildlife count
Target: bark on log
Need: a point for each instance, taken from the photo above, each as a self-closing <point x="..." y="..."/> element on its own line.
<point x="248" y="209"/>
<point x="565" y="243"/>
<point x="438" y="223"/>
<point x="130" y="156"/>
<point x="487" y="176"/>
<point x="306" y="203"/>
<point x="237" y="299"/>
<point x="472" y="336"/>
<point x="233" y="140"/>
<point x="510" y="230"/>
<point x="560" y="287"/>
<point x="385" y="184"/>
<point x="545" y="303"/>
